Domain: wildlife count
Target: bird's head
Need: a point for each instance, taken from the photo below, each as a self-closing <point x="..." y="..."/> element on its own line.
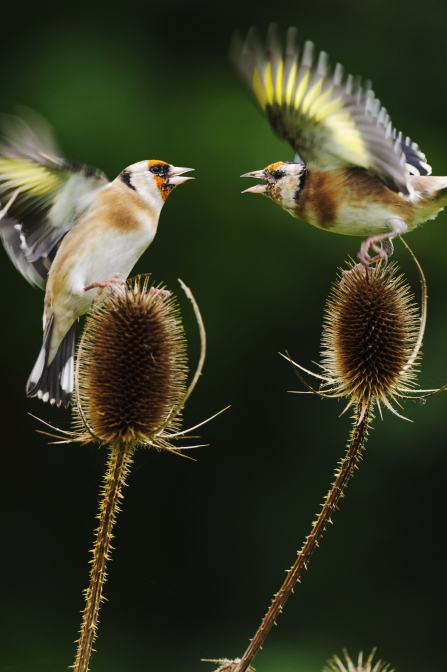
<point x="153" y="180"/>
<point x="282" y="182"/>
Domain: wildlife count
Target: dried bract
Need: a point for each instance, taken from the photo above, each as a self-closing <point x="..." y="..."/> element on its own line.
<point x="336" y="665"/>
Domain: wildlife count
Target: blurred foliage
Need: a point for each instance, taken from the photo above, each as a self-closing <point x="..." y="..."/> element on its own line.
<point x="201" y="547"/>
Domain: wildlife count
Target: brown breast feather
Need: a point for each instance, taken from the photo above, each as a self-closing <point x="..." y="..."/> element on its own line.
<point x="326" y="191"/>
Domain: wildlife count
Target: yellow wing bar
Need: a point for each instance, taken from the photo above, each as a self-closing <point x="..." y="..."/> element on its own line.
<point x="27" y="176"/>
<point x="308" y="91"/>
<point x="329" y="120"/>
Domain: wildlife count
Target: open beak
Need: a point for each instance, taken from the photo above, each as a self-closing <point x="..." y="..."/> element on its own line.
<point x="258" y="188"/>
<point x="174" y="176"/>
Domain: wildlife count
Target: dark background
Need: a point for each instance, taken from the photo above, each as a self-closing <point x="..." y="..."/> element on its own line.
<point x="201" y="547"/>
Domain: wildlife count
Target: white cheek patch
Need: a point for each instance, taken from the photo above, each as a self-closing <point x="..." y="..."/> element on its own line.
<point x="67" y="376"/>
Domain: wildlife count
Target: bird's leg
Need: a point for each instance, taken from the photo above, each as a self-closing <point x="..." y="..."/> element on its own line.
<point x="388" y="247"/>
<point x="398" y="227"/>
<point x="358" y="268"/>
<point x="363" y="255"/>
<point x="385" y="250"/>
<point x="116" y="277"/>
<point x="157" y="292"/>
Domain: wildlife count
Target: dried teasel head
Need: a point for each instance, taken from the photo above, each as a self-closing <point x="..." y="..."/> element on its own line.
<point x="131" y="365"/>
<point x="130" y="372"/>
<point x="371" y="329"/>
<point x="371" y="341"/>
<point x="336" y="665"/>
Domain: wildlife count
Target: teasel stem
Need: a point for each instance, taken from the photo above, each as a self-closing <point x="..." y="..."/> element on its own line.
<point x="120" y="459"/>
<point x="343" y="474"/>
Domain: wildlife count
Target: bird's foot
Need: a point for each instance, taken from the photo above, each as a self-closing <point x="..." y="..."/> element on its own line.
<point x="160" y="292"/>
<point x="117" y="278"/>
<point x="383" y="252"/>
<point x="358" y="268"/>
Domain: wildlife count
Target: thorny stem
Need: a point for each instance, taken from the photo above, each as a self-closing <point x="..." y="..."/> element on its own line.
<point x="343" y="474"/>
<point x="120" y="459"/>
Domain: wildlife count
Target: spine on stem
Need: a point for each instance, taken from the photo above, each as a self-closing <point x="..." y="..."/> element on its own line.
<point x="343" y="474"/>
<point x="120" y="459"/>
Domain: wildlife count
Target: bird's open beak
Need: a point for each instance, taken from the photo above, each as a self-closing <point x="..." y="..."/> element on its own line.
<point x="174" y="176"/>
<point x="258" y="188"/>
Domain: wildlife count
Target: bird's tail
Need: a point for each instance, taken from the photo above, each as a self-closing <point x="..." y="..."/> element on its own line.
<point x="54" y="383"/>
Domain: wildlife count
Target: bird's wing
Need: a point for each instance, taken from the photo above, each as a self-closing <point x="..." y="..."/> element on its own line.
<point x="415" y="160"/>
<point x="329" y="121"/>
<point x="34" y="271"/>
<point x="50" y="193"/>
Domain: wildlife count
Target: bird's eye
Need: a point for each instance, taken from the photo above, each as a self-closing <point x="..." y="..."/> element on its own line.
<point x="161" y="169"/>
<point x="278" y="174"/>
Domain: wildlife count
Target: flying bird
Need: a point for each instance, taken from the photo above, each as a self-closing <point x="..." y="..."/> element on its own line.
<point x="352" y="173"/>
<point x="69" y="229"/>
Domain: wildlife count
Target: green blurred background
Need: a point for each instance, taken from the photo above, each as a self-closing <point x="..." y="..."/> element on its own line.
<point x="201" y="547"/>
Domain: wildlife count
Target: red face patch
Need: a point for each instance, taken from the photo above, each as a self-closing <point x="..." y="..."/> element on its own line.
<point x="160" y="180"/>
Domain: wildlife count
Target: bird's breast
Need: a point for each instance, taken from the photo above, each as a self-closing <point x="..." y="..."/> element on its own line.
<point x="109" y="239"/>
<point x="352" y="202"/>
<point x="126" y="211"/>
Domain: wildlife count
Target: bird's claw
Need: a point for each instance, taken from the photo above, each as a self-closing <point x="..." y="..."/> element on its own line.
<point x="385" y="250"/>
<point x="364" y="257"/>
<point x="117" y="278"/>
<point x="157" y="292"/>
<point x="358" y="268"/>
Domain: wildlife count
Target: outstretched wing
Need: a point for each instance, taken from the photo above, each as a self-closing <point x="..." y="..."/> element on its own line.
<point x="50" y="193"/>
<point x="328" y="120"/>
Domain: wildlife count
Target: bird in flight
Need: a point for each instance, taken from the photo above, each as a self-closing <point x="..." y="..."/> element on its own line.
<point x="352" y="173"/>
<point x="71" y="232"/>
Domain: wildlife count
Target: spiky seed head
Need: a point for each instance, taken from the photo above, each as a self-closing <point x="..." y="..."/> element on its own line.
<point x="370" y="330"/>
<point x="132" y="364"/>
<point x="336" y="665"/>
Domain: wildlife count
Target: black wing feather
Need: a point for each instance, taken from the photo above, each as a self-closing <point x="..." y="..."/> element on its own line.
<point x="329" y="120"/>
<point x="50" y="192"/>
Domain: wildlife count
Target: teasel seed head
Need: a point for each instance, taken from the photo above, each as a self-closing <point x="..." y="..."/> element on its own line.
<point x="131" y="365"/>
<point x="371" y="328"/>
<point x="372" y="337"/>
<point x="336" y="665"/>
<point x="131" y="370"/>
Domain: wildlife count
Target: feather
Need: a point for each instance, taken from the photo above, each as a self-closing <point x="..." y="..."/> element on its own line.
<point x="54" y="383"/>
<point x="35" y="272"/>
<point x="52" y="192"/>
<point x="328" y="120"/>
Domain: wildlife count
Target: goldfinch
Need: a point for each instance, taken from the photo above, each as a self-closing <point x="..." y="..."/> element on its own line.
<point x="352" y="173"/>
<point x="67" y="226"/>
